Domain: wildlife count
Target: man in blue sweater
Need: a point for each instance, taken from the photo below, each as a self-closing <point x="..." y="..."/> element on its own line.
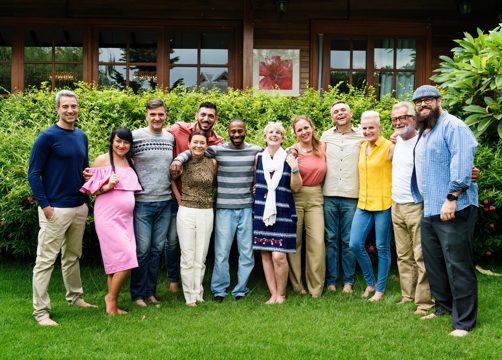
<point x="57" y="159"/>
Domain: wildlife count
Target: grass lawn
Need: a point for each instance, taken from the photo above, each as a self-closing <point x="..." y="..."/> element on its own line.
<point x="334" y="326"/>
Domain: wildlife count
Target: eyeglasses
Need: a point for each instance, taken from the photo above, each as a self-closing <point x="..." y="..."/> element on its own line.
<point x="426" y="100"/>
<point x="401" y="118"/>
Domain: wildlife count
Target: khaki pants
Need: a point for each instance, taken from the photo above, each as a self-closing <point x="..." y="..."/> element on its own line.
<point x="410" y="261"/>
<point x="309" y="208"/>
<point x="63" y="232"/>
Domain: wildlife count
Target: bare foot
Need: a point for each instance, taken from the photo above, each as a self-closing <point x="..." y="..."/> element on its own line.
<point x="271" y="300"/>
<point x="280" y="299"/>
<point x="347" y="289"/>
<point x="121" y="311"/>
<point x="332" y="288"/>
<point x="368" y="291"/>
<point x="378" y="295"/>
<point x="173" y="287"/>
<point x="81" y="303"/>
<point x="47" y="322"/>
<point x="141" y="303"/>
<point x="111" y="305"/>
<point x="154" y="300"/>
<point x="192" y="305"/>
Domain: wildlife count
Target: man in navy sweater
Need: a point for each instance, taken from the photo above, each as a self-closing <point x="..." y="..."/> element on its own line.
<point x="58" y="157"/>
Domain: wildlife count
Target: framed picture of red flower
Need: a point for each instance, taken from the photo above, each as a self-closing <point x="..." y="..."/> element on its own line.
<point x="277" y="71"/>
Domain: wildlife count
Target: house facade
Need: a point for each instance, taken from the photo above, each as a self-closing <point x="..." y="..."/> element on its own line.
<point x="394" y="46"/>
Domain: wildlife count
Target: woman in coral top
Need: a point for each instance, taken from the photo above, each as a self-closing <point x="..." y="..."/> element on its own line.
<point x="114" y="182"/>
<point x="374" y="204"/>
<point x="309" y="209"/>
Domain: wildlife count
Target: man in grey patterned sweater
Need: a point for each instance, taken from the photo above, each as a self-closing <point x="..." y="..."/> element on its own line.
<point x="234" y="215"/>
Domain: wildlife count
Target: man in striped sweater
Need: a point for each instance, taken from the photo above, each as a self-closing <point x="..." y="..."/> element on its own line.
<point x="234" y="203"/>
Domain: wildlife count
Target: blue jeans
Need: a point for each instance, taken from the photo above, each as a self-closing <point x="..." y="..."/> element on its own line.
<point x="361" y="226"/>
<point x="172" y="248"/>
<point x="151" y="222"/>
<point x="229" y="222"/>
<point x="338" y="214"/>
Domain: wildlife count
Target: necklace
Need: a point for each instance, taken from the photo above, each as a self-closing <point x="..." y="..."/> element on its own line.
<point x="305" y="151"/>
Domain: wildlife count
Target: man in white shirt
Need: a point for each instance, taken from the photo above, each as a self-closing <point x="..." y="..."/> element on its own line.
<point x="406" y="214"/>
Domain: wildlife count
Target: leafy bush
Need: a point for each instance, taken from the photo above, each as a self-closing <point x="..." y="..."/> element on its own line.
<point x="472" y="80"/>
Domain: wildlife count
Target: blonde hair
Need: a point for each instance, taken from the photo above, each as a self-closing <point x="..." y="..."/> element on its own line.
<point x="315" y="141"/>
<point x="277" y="125"/>
<point x="370" y="114"/>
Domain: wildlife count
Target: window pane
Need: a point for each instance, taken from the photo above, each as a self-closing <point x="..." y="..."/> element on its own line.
<point x="113" y="75"/>
<point x="406" y="54"/>
<point x="359" y="59"/>
<point x="184" y="76"/>
<point x="143" y="47"/>
<point x="359" y="79"/>
<point x="214" y="78"/>
<point x="67" y="74"/>
<point x="142" y="77"/>
<point x="405" y="83"/>
<point x="5" y="71"/>
<point x="38" y="45"/>
<point x="214" y="48"/>
<point x="112" y="46"/>
<point x="384" y="54"/>
<point x="5" y="46"/>
<point x="214" y="56"/>
<point x="340" y="54"/>
<point x="35" y="74"/>
<point x="383" y="80"/>
<point x="184" y="48"/>
<point x="342" y="77"/>
<point x="69" y="53"/>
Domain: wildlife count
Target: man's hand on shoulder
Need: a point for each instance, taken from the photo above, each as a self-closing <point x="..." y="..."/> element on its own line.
<point x="87" y="174"/>
<point x="176" y="169"/>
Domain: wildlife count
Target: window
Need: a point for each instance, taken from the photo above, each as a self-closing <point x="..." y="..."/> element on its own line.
<point x="128" y="59"/>
<point x="394" y="65"/>
<point x="199" y="59"/>
<point x="54" y="57"/>
<point x="5" y="61"/>
<point x="348" y="63"/>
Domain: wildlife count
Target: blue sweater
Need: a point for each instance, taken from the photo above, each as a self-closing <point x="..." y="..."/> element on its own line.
<point x="57" y="160"/>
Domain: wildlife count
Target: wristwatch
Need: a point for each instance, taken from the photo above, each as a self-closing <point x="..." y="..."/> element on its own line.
<point x="451" y="197"/>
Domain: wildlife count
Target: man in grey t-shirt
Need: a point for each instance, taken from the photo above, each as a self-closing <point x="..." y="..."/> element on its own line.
<point x="152" y="153"/>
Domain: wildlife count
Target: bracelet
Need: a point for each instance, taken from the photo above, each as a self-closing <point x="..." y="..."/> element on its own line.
<point x="295" y="171"/>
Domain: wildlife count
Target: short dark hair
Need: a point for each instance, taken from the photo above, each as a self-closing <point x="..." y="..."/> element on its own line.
<point x="236" y="120"/>
<point x="208" y="105"/>
<point x="197" y="132"/>
<point x="155" y="103"/>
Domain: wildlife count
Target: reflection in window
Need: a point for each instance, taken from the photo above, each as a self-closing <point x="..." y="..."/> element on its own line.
<point x="53" y="57"/>
<point x="395" y="66"/>
<point x="128" y="59"/>
<point x="199" y="59"/>
<point x="5" y="61"/>
<point x="348" y="63"/>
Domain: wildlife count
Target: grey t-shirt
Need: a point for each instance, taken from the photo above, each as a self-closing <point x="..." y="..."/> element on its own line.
<point x="153" y="154"/>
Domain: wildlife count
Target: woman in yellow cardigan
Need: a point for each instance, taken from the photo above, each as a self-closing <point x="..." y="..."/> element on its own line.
<point x="374" y="205"/>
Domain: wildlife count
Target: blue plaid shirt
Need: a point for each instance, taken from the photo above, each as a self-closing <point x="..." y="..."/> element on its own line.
<point x="449" y="155"/>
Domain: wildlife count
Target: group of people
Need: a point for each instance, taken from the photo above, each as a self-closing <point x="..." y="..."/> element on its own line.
<point x="154" y="191"/>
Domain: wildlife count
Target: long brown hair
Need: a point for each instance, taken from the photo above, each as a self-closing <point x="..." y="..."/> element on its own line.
<point x="316" y="144"/>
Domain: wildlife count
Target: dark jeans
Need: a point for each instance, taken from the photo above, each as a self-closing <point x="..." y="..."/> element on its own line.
<point x="449" y="263"/>
<point x="172" y="249"/>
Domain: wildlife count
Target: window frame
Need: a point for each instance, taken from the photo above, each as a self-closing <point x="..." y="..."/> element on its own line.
<point x="371" y="31"/>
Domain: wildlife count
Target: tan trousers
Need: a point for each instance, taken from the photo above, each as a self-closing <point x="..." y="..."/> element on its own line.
<point x="194" y="232"/>
<point x="412" y="276"/>
<point x="309" y="208"/>
<point x="63" y="232"/>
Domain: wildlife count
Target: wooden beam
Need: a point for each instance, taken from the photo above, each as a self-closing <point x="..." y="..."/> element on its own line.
<point x="247" y="45"/>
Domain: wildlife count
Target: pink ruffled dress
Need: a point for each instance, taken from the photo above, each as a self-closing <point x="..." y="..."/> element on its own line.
<point x="113" y="217"/>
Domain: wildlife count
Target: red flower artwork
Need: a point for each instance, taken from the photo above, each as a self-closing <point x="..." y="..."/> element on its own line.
<point x="277" y="73"/>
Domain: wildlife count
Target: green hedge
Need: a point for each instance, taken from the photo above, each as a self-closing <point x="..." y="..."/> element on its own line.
<point x="23" y="116"/>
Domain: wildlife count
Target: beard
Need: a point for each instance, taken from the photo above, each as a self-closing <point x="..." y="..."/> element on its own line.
<point x="430" y="120"/>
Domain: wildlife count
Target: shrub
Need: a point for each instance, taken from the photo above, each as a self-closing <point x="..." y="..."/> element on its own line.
<point x="472" y="79"/>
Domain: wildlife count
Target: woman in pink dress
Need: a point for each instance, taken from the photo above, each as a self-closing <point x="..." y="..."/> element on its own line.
<point x="114" y="182"/>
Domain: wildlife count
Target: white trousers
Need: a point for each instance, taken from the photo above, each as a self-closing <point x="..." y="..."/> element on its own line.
<point x="194" y="232"/>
